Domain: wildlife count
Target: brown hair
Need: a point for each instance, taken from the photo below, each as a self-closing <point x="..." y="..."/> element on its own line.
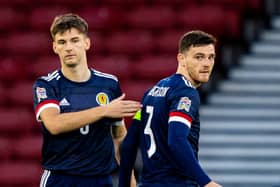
<point x="195" y="38"/>
<point x="65" y="22"/>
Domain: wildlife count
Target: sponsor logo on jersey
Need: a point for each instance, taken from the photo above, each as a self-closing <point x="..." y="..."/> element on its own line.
<point x="184" y="104"/>
<point x="102" y="98"/>
<point x="158" y="91"/>
<point x="41" y="93"/>
<point x="64" y="102"/>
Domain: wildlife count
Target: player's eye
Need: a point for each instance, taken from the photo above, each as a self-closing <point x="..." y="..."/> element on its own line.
<point x="75" y="40"/>
<point x="61" y="42"/>
<point x="211" y="57"/>
<point x="199" y="57"/>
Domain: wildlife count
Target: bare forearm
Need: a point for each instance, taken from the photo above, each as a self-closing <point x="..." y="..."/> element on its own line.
<point x="57" y="122"/>
<point x="65" y="122"/>
<point x="118" y="133"/>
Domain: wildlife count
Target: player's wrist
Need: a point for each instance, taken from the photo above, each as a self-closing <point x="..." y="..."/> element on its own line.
<point x="103" y="111"/>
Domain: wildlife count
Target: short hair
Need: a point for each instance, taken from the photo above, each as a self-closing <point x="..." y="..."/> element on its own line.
<point x="65" y="22"/>
<point x="195" y="38"/>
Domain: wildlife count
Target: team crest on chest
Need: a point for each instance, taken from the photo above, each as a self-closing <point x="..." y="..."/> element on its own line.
<point x="102" y="98"/>
<point x="184" y="104"/>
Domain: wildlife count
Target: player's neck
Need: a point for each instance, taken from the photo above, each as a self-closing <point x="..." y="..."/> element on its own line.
<point x="76" y="74"/>
<point x="187" y="76"/>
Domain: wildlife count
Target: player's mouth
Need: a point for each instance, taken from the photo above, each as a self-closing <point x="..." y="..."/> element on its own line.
<point x="69" y="56"/>
<point x="204" y="72"/>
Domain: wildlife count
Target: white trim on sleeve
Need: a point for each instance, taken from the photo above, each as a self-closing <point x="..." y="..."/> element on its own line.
<point x="49" y="105"/>
<point x="180" y="119"/>
<point x="119" y="123"/>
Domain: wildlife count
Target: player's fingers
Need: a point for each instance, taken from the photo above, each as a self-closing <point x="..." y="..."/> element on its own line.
<point x="128" y="114"/>
<point x="133" y="107"/>
<point x="130" y="102"/>
<point x="130" y="109"/>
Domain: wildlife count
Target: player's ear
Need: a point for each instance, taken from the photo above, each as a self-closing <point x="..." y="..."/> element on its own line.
<point x="54" y="47"/>
<point x="88" y="43"/>
<point x="181" y="59"/>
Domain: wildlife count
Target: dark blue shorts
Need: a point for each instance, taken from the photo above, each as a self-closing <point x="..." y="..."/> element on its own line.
<point x="51" y="179"/>
<point x="184" y="184"/>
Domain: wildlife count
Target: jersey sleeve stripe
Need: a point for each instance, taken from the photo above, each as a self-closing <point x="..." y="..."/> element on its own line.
<point x="46" y="104"/>
<point x="180" y="117"/>
<point x="187" y="117"/>
<point x="106" y="75"/>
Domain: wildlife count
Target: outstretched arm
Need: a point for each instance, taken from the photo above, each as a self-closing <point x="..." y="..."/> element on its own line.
<point x="57" y="122"/>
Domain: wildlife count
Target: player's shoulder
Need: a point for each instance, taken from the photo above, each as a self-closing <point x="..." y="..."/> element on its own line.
<point x="182" y="82"/>
<point x="177" y="81"/>
<point x="104" y="76"/>
<point x="180" y="86"/>
<point x="50" y="78"/>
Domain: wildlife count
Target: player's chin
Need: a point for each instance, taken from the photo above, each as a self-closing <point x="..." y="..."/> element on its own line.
<point x="71" y="64"/>
<point x="204" y="79"/>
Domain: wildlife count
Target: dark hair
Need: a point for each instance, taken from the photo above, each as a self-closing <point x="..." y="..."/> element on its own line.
<point x="195" y="38"/>
<point x="65" y="22"/>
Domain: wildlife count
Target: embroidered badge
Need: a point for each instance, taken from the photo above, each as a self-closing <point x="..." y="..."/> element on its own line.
<point x="184" y="104"/>
<point x="41" y="93"/>
<point x="102" y="98"/>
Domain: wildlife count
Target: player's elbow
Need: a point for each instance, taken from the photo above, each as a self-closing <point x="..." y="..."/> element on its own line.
<point x="51" y="120"/>
<point x="52" y="128"/>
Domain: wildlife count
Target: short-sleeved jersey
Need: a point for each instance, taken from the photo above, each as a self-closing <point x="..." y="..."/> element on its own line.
<point x="87" y="151"/>
<point x="172" y="98"/>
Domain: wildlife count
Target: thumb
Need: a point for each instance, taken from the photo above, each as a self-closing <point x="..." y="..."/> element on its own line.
<point x="121" y="97"/>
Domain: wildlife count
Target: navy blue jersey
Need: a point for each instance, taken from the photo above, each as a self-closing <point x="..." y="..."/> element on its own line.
<point x="171" y="99"/>
<point x="87" y="151"/>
